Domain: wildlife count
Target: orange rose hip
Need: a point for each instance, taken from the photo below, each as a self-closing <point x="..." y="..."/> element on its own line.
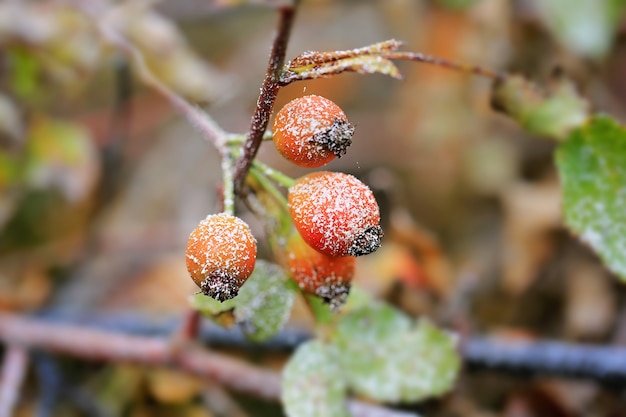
<point x="326" y="276"/>
<point x="335" y="213"/>
<point x="311" y="131"/>
<point x="221" y="253"/>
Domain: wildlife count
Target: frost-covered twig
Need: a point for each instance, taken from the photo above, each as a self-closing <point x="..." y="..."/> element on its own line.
<point x="92" y="344"/>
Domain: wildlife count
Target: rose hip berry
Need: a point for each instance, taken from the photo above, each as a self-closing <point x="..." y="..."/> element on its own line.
<point x="311" y="131"/>
<point x="326" y="276"/>
<point x="335" y="213"/>
<point x="221" y="253"/>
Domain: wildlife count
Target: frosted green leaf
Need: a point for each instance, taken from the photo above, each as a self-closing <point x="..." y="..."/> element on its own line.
<point x="262" y="306"/>
<point x="371" y="324"/>
<point x="366" y="60"/>
<point x="592" y="167"/>
<point x="387" y="359"/>
<point x="313" y="385"/>
<point x="363" y="64"/>
<point x="264" y="301"/>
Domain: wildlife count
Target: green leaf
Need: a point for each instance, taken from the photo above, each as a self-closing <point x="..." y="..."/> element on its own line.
<point x="264" y="302"/>
<point x="371" y="324"/>
<point x="25" y="73"/>
<point x="586" y="28"/>
<point x="210" y="307"/>
<point x="9" y="170"/>
<point x="61" y="155"/>
<point x="386" y="358"/>
<point x="592" y="167"/>
<point x="262" y="306"/>
<point x="457" y="4"/>
<point x="552" y="112"/>
<point x="313" y="384"/>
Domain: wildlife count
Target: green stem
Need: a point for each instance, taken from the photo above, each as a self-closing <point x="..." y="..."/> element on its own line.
<point x="229" y="184"/>
<point x="235" y="139"/>
<point x="267" y="185"/>
<point x="277" y="176"/>
<point x="268" y="136"/>
<point x="321" y="311"/>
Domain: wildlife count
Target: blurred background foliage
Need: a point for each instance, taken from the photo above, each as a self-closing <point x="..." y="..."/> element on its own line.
<point x="101" y="181"/>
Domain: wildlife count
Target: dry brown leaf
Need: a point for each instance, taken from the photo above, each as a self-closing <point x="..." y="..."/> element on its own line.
<point x="169" y="386"/>
<point x="162" y="287"/>
<point x="24" y="284"/>
<point x="433" y="261"/>
<point x="531" y="213"/>
<point x="591" y="305"/>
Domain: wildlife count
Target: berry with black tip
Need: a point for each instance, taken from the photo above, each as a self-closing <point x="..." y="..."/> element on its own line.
<point x="335" y="213"/>
<point x="221" y="253"/>
<point x="311" y="131"/>
<point x="326" y="276"/>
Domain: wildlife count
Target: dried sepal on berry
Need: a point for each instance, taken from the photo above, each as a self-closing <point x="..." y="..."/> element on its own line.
<point x="221" y="253"/>
<point x="336" y="214"/>
<point x="311" y="131"/>
<point x="328" y="277"/>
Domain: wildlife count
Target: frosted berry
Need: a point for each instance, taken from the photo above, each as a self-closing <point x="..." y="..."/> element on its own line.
<point x="326" y="276"/>
<point x="221" y="252"/>
<point x="335" y="214"/>
<point x="311" y="131"/>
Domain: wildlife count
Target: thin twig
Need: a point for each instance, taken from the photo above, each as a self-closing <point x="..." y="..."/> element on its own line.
<point x="205" y="124"/>
<point x="14" y="369"/>
<point x="267" y="96"/>
<point x="189" y="328"/>
<point x="100" y="345"/>
<point x="118" y="131"/>
<point x="444" y="63"/>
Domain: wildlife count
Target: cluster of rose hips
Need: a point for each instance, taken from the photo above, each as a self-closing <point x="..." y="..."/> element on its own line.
<point x="335" y="216"/>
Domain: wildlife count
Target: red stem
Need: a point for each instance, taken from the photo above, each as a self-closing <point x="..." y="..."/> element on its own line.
<point x="189" y="328"/>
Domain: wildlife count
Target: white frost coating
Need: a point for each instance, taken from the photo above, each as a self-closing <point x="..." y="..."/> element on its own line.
<point x="403" y="366"/>
<point x="592" y="167"/>
<point x="221" y="252"/>
<point x="264" y="302"/>
<point x="313" y="385"/>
